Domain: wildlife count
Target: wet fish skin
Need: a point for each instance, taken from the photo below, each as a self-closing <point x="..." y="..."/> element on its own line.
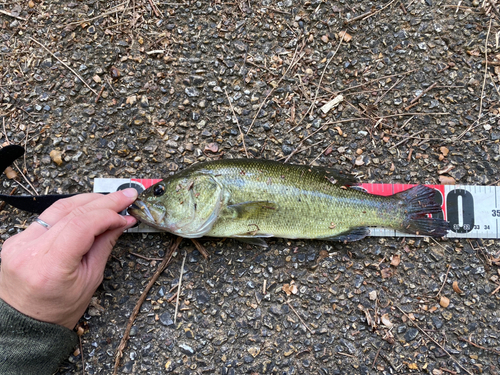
<point x="252" y="198"/>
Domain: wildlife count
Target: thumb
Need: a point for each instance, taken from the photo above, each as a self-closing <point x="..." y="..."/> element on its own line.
<point x="98" y="254"/>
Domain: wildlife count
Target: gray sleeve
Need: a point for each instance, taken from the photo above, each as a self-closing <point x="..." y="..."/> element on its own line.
<point x="29" y="346"/>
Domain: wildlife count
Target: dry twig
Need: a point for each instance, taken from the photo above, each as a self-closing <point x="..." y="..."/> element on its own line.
<point x="143" y="257"/>
<point x="471" y="126"/>
<point x="12" y="15"/>
<point x="478" y="346"/>
<point x="179" y="288"/>
<point x="298" y="316"/>
<point x="292" y="64"/>
<point x="200" y="248"/>
<point x="66" y="65"/>
<point x="142" y="298"/>
<point x="313" y="102"/>
<point x="238" y="123"/>
<point x="434" y="341"/>
<point x="444" y="281"/>
<point x="415" y="100"/>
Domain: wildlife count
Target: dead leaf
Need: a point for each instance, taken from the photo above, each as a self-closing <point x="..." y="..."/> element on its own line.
<point x="372" y="295"/>
<point x="212" y="147"/>
<point x="456" y="288"/>
<point x="131" y="100"/>
<point x="332" y="103"/>
<point x="412" y="366"/>
<point x="56" y="156"/>
<point x="369" y="319"/>
<point x="323" y="254"/>
<point x="359" y="161"/>
<point x="386" y="321"/>
<point x="446" y="169"/>
<point x="289" y="288"/>
<point x="447" y="180"/>
<point x="395" y="260"/>
<point x="10" y="173"/>
<point x="444" y="302"/>
<point x="345" y="36"/>
<point x="444" y="150"/>
<point x="386" y="273"/>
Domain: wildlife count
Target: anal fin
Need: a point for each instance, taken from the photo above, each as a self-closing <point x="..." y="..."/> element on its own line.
<point x="256" y="241"/>
<point x="351" y="235"/>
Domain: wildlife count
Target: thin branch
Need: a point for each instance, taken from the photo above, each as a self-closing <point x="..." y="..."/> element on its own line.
<point x="238" y="123"/>
<point x="478" y="346"/>
<point x="12" y="15"/>
<point x="66" y="65"/>
<point x="145" y="258"/>
<point x="292" y="64"/>
<point x="4" y="131"/>
<point x="434" y="341"/>
<point x="415" y="100"/>
<point x="200" y="248"/>
<point x="444" y="281"/>
<point x="298" y="316"/>
<point x="313" y="102"/>
<point x="155" y="8"/>
<point x="302" y="142"/>
<point x="142" y="298"/>
<point x="114" y="9"/>
<point x="179" y="288"/>
<point x="471" y="126"/>
<point x="25" y="178"/>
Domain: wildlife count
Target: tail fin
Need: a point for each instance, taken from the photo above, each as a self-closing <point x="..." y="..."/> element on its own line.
<point x="417" y="203"/>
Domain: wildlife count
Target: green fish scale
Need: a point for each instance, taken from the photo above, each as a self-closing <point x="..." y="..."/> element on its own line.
<point x="306" y="203"/>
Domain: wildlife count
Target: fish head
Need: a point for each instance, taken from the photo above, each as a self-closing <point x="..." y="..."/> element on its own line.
<point x="186" y="206"/>
<point x="150" y="208"/>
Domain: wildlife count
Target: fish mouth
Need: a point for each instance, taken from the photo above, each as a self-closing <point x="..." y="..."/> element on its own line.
<point x="145" y="214"/>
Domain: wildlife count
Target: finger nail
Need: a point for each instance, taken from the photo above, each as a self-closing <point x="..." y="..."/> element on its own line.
<point x="130" y="193"/>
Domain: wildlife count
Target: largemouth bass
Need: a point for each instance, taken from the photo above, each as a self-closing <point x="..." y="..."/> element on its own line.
<point x="251" y="199"/>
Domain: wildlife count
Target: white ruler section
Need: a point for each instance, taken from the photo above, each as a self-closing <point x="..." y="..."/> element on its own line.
<point x="473" y="211"/>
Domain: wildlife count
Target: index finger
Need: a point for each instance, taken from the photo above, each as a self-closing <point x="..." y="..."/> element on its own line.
<point x="58" y="210"/>
<point x="65" y="209"/>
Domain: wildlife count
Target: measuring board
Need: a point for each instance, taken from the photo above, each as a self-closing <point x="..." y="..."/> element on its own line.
<point x="473" y="211"/>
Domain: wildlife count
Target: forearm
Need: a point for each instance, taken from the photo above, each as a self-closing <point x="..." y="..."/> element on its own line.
<point x="29" y="346"/>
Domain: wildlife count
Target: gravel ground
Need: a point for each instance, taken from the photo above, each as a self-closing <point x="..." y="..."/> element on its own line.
<point x="419" y="107"/>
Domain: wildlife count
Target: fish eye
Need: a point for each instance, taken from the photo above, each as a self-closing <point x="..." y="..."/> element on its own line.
<point x="159" y="190"/>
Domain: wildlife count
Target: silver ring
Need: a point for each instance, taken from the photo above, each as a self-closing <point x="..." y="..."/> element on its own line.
<point x="42" y="223"/>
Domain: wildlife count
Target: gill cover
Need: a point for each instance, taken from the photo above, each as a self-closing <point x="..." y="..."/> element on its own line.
<point x="188" y="207"/>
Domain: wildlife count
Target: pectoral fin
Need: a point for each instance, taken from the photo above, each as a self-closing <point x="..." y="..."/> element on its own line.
<point x="249" y="210"/>
<point x="350" y="235"/>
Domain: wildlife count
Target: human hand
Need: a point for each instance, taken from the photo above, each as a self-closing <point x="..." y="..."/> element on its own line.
<point x="51" y="274"/>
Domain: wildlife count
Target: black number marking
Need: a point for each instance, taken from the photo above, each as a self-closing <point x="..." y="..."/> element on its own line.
<point x="467" y="210"/>
<point x="495" y="213"/>
<point x="438" y="198"/>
